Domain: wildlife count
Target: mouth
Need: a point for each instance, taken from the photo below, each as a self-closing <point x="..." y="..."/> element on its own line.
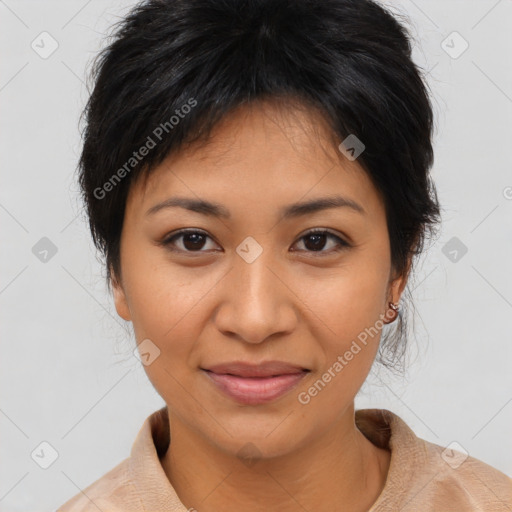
<point x="265" y="369"/>
<point x="251" y="384"/>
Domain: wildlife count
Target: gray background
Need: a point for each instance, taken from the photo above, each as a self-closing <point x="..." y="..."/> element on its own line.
<point x="68" y="376"/>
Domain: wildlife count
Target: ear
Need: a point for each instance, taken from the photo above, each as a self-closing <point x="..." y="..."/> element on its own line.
<point x="120" y="298"/>
<point x="399" y="283"/>
<point x="397" y="288"/>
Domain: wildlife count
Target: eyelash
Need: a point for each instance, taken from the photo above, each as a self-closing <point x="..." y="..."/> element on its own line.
<point x="168" y="241"/>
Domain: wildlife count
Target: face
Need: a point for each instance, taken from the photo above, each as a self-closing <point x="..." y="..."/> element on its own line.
<point x="253" y="282"/>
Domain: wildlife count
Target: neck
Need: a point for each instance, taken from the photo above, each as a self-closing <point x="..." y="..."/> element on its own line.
<point x="339" y="467"/>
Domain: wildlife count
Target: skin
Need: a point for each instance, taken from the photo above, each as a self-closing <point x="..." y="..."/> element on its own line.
<point x="302" y="306"/>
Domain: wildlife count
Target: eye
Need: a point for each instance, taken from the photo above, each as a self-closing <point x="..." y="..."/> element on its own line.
<point x="193" y="240"/>
<point x="315" y="241"/>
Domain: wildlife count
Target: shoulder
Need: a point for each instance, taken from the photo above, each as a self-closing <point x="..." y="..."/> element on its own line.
<point x="113" y="492"/>
<point x="458" y="479"/>
<point x="137" y="483"/>
<point x="429" y="477"/>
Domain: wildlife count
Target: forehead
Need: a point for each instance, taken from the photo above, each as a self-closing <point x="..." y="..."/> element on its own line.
<point x="264" y="154"/>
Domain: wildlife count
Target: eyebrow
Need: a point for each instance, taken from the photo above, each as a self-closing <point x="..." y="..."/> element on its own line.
<point x="294" y="210"/>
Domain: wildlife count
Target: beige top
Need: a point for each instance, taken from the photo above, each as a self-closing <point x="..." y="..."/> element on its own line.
<point x="422" y="477"/>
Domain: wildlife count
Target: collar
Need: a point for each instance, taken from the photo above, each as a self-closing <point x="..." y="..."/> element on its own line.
<point x="381" y="426"/>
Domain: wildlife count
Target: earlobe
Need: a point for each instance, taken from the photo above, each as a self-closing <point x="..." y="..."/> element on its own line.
<point x="392" y="307"/>
<point x="120" y="300"/>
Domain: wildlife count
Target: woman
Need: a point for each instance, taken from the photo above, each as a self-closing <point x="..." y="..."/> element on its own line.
<point x="256" y="175"/>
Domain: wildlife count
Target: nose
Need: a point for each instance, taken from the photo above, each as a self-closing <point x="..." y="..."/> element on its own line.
<point x="257" y="302"/>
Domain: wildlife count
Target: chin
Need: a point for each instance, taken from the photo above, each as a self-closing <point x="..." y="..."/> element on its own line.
<point x="263" y="438"/>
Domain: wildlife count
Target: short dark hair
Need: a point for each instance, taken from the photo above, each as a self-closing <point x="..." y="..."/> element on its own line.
<point x="174" y="68"/>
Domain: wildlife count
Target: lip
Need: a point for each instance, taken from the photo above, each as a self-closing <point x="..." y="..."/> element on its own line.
<point x="251" y="384"/>
<point x="264" y="369"/>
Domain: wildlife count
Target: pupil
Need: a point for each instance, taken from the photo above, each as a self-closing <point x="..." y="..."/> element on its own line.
<point x="195" y="238"/>
<point x="319" y="241"/>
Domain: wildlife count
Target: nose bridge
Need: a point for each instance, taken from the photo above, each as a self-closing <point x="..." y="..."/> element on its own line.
<point x="256" y="304"/>
<point x="255" y="276"/>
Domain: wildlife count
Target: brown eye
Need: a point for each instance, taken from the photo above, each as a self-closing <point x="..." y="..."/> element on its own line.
<point x="191" y="241"/>
<point x="316" y="240"/>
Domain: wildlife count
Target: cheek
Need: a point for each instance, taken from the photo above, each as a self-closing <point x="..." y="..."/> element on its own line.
<point x="348" y="303"/>
<point x="167" y="306"/>
<point x="348" y="308"/>
<point x="165" y="298"/>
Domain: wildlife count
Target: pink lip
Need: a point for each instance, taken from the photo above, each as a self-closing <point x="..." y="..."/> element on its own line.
<point x="253" y="384"/>
<point x="255" y="390"/>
